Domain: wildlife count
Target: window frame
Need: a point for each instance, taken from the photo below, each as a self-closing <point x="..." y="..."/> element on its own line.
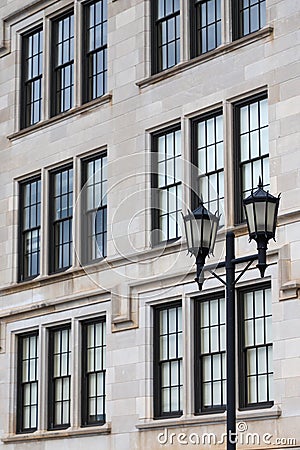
<point x="158" y="414"/>
<point x="237" y="19"/>
<point x="243" y="405"/>
<point x="20" y="402"/>
<point x="84" y="373"/>
<point x="194" y="37"/>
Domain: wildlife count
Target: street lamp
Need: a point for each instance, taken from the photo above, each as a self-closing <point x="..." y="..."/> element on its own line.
<point x="261" y="209"/>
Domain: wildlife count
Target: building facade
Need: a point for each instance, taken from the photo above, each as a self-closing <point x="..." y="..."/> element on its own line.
<point x="116" y="117"/>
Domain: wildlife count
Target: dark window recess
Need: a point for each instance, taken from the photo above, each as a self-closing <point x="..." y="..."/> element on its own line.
<point x="256" y="348"/>
<point x="59" y="397"/>
<point x="165" y="34"/>
<point x="206" y="26"/>
<point x="95" y="208"/>
<point x="252" y="148"/>
<point x="167" y="186"/>
<point x="210" y="355"/>
<point x="63" y="64"/>
<point x="168" y="352"/>
<point x="93" y="372"/>
<point x="208" y="157"/>
<point x="95" y="43"/>
<point x="30" y="224"/>
<point x="32" y="73"/>
<point x="27" y="406"/>
<point x="61" y="201"/>
<point x="249" y="16"/>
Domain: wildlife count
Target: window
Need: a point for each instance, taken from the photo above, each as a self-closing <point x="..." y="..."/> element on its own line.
<point x="252" y="146"/>
<point x="30" y="224"/>
<point x="32" y="55"/>
<point x="93" y="368"/>
<point x="59" y="398"/>
<point x="168" y="352"/>
<point x="250" y="16"/>
<point x="256" y="347"/>
<point x="208" y="157"/>
<point x="95" y="208"/>
<point x="210" y="354"/>
<point x="63" y="64"/>
<point x="206" y="23"/>
<point x="167" y="188"/>
<point x="165" y="34"/>
<point x="95" y="58"/>
<point x="27" y="407"/>
<point x="61" y="201"/>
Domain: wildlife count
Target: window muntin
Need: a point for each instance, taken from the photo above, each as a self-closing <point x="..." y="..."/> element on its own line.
<point x="32" y="49"/>
<point x="208" y="156"/>
<point x="95" y="208"/>
<point x="206" y="16"/>
<point x="30" y="224"/>
<point x="168" y="355"/>
<point x="27" y="407"/>
<point x="167" y="184"/>
<point x="210" y="355"/>
<point x="251" y="16"/>
<point x="95" y="61"/>
<point x="253" y="147"/>
<point x="256" y="347"/>
<point x="61" y="192"/>
<point x="63" y="64"/>
<point x="166" y="34"/>
<point x="59" y="378"/>
<point x="94" y="371"/>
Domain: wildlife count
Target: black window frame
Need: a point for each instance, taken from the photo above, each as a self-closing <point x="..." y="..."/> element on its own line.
<point x="242" y="360"/>
<point x="200" y="409"/>
<point x="51" y="378"/>
<point x="85" y="422"/>
<point x="196" y="35"/>
<point x="238" y="21"/>
<point x="155" y="189"/>
<point x="56" y="90"/>
<point x="238" y="197"/>
<point x="87" y="54"/>
<point x="25" y="117"/>
<point x="157" y="383"/>
<point x="52" y="246"/>
<point x="23" y="230"/>
<point x="20" y="396"/>
<point x="88" y="225"/>
<point x="156" y="66"/>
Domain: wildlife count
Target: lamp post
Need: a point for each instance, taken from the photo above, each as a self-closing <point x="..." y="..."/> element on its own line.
<point x="261" y="209"/>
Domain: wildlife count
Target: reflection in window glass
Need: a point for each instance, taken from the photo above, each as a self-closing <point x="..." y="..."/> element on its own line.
<point x="207" y="17"/>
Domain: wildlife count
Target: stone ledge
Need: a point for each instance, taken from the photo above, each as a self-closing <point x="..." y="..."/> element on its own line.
<point x="290" y="290"/>
<point x="63" y="434"/>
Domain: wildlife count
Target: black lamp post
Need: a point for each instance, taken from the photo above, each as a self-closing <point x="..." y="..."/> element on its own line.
<point x="261" y="209"/>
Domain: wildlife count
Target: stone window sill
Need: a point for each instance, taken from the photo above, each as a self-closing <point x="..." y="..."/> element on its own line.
<point x="219" y="51"/>
<point x="61" y="434"/>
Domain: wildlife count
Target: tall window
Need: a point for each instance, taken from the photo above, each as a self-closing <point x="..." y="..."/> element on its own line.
<point x="63" y="64"/>
<point x="250" y="16"/>
<point x="30" y="224"/>
<point x="95" y="62"/>
<point x="252" y="143"/>
<point x="95" y="208"/>
<point x="168" y="352"/>
<point x="167" y="185"/>
<point x="59" y="398"/>
<point x="93" y="367"/>
<point x="32" y="78"/>
<point x="206" y="19"/>
<point x="208" y="157"/>
<point x="61" y="200"/>
<point x="210" y="351"/>
<point x="256" y="360"/>
<point x="165" y="34"/>
<point x="27" y="407"/>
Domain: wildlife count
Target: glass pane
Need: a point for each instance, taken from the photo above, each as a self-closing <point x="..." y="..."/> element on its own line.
<point x="244" y="119"/>
<point x="251" y="362"/>
<point x="204" y="314"/>
<point x="26" y="394"/>
<point x="249" y="338"/>
<point x="217" y="367"/>
<point x="207" y="400"/>
<point x="165" y="400"/>
<point x="92" y="385"/>
<point x="252" y="397"/>
<point x="90" y="360"/>
<point x="174" y="374"/>
<point x="172" y="346"/>
<point x="259" y="331"/>
<point x="66" y="389"/>
<point x="262" y="388"/>
<point x="214" y="336"/>
<point x="163" y="320"/>
<point x="58" y="390"/>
